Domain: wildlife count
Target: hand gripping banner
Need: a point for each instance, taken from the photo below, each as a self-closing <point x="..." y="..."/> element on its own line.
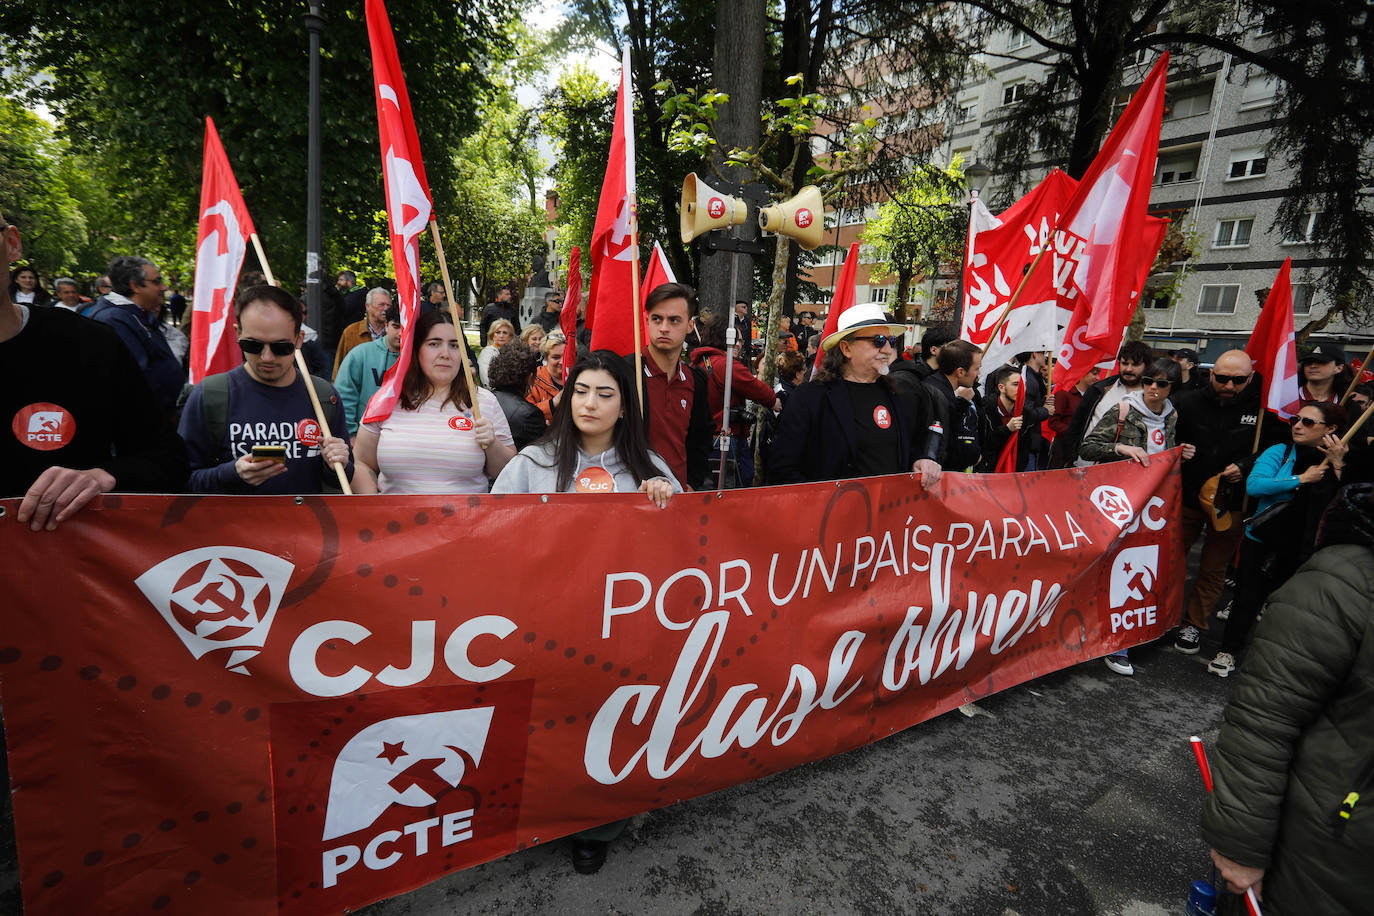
<point x="259" y="705"/>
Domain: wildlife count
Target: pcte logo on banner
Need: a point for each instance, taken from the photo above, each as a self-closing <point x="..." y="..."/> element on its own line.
<point x="1132" y="587"/>
<point x="219" y="598"/>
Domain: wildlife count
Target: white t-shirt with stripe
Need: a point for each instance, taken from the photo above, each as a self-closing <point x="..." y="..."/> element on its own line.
<point x="427" y="450"/>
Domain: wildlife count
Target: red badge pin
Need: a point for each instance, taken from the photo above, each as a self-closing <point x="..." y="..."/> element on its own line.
<point x="882" y="417"/>
<point x="44" y="426"/>
<point x="308" y="432"/>
<point x="595" y="480"/>
<point x="460" y="423"/>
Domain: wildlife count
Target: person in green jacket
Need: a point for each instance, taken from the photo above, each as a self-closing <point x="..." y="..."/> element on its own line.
<point x="360" y="373"/>
<point x="1292" y="810"/>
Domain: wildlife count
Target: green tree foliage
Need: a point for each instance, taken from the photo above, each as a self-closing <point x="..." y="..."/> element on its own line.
<point x="920" y="228"/>
<point x="131" y="84"/>
<point x="41" y="190"/>
<point x="577" y="115"/>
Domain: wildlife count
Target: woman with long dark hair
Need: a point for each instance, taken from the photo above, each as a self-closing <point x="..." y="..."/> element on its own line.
<point x="433" y="442"/>
<point x="25" y="287"/>
<point x="1293" y="484"/>
<point x="596" y="443"/>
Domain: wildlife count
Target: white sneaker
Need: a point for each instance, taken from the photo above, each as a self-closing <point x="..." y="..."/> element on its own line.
<point x="1120" y="664"/>
<point x="1222" y="665"/>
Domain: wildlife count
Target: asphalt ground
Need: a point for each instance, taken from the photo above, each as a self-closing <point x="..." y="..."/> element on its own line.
<point x="1074" y="794"/>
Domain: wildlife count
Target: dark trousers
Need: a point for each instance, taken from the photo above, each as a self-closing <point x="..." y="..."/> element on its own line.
<point x="1256" y="576"/>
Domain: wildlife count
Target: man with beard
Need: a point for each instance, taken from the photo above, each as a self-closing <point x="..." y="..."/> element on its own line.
<point x="849" y="421"/>
<point x="1219" y="420"/>
<point x="958" y="406"/>
<point x="1131" y="361"/>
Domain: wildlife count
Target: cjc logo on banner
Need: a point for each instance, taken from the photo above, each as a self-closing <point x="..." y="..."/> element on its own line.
<point x="219" y="598"/>
<point x="1113" y="503"/>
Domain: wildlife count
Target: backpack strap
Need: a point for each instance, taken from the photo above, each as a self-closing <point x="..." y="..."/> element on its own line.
<point x="1122" y="410"/>
<point x="214" y="405"/>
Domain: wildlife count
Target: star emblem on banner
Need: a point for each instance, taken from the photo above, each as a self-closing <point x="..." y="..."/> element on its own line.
<point x="392" y="752"/>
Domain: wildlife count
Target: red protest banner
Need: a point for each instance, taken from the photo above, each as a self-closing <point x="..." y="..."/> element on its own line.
<point x="261" y="705"/>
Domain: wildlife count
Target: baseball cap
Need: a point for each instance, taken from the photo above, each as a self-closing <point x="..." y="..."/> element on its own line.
<point x="1187" y="353"/>
<point x="1324" y="353"/>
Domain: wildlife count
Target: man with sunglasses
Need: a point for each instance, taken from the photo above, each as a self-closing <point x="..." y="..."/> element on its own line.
<point x="1219" y="420"/>
<point x="264" y="402"/>
<point x="80" y="420"/>
<point x="133" y="308"/>
<point x="850" y="421"/>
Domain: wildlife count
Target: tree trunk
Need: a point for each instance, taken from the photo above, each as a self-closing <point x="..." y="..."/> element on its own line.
<point x="768" y="362"/>
<point x="738" y="72"/>
<point x="903" y="291"/>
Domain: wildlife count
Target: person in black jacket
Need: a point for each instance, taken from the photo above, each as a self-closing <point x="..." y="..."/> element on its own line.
<point x="958" y="404"/>
<point x="1001" y="421"/>
<point x="503" y="307"/>
<point x="510" y="375"/>
<point x="1036" y="408"/>
<point x="849" y="421"/>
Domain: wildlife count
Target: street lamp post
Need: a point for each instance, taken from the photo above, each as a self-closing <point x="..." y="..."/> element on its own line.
<point x="314" y="24"/>
<point x="977" y="176"/>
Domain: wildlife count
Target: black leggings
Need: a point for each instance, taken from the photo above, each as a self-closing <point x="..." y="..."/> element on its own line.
<point x="1259" y="570"/>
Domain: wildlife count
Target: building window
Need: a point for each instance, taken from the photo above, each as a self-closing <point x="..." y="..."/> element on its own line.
<point x="1175" y="166"/>
<point x="851" y="216"/>
<point x="1018" y="40"/>
<point x="968" y="110"/>
<point x="1233" y="233"/>
<point x="1218" y="300"/>
<point x="1156" y="299"/>
<point x="1013" y="93"/>
<point x="880" y="295"/>
<point x="1247" y="163"/>
<point x="1187" y="101"/>
<point x="1259" y="91"/>
<point x="1307" y="230"/>
<point x="1302" y="299"/>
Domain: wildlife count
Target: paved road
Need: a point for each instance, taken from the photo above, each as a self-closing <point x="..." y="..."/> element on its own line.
<point x="1074" y="794"/>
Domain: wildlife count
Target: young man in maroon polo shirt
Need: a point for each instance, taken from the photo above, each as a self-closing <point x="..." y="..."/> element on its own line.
<point x="676" y="410"/>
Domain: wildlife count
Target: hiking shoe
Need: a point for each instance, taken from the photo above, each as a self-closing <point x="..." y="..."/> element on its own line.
<point x="1121" y="664"/>
<point x="1222" y="665"/>
<point x="1188" y="640"/>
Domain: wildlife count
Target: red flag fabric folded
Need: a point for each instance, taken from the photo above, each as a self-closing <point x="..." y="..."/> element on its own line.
<point x="221" y="242"/>
<point x="1274" y="350"/>
<point x="567" y="319"/>
<point x="614" y="248"/>
<point x="844" y="297"/>
<point x="1006" y="462"/>
<point x="408" y="202"/>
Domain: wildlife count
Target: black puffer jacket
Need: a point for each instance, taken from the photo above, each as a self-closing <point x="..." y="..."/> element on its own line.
<point x="1299" y="731"/>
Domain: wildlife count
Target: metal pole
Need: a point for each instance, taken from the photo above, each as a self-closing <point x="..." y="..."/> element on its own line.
<point x="314" y="24"/>
<point x="725" y="437"/>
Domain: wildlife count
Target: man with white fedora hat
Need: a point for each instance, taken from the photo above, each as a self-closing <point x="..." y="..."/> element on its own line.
<point x="849" y="421"/>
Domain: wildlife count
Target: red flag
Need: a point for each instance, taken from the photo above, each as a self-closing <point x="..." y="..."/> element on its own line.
<point x="1076" y="354"/>
<point x="844" y="297"/>
<point x="657" y="273"/>
<point x="1001" y="248"/>
<point x="221" y="242"/>
<point x="1274" y="349"/>
<point x="1006" y="462"/>
<point x="567" y="319"/>
<point x="408" y="203"/>
<point x="614" y="246"/>
<point x="1095" y="259"/>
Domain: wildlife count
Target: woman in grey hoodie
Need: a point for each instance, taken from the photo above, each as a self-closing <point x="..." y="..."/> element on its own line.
<point x="595" y="444"/>
<point x="1142" y="426"/>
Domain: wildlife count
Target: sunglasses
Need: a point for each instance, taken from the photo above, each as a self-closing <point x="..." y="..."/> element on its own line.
<point x="881" y="340"/>
<point x="1236" y="380"/>
<point x="1157" y="382"/>
<point x="1307" y="422"/>
<point x="253" y="347"/>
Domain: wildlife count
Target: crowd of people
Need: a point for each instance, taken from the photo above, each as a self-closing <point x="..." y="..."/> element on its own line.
<point x="99" y="402"/>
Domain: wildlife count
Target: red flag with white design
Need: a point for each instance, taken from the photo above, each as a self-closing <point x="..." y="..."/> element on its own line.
<point x="567" y="319"/>
<point x="845" y="295"/>
<point x="408" y="203"/>
<point x="610" y="301"/>
<point x="1095" y="258"/>
<point x="657" y="273"/>
<point x="1273" y="347"/>
<point x="221" y="242"/>
<point x="1001" y="249"/>
<point x="1076" y="354"/>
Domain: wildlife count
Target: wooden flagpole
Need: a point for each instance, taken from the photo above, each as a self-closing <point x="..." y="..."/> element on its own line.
<point x="1356" y="380"/>
<point x="1345" y="440"/>
<point x="1011" y="303"/>
<point x="453" y="313"/>
<point x="634" y="297"/>
<point x="304" y="370"/>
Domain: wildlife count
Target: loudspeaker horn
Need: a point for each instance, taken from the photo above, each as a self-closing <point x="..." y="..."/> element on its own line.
<point x="704" y="208"/>
<point x="801" y="218"/>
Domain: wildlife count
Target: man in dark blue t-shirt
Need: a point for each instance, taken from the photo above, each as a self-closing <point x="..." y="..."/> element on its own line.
<point x="267" y="405"/>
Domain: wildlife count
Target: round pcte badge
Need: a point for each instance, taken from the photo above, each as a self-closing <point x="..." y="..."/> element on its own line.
<point x="460" y="423"/>
<point x="882" y="417"/>
<point x="44" y="426"/>
<point x="595" y="480"/>
<point x="308" y="432"/>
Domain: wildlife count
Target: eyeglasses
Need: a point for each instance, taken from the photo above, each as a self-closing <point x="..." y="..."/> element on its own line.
<point x="1157" y="382"/>
<point x="1236" y="380"/>
<point x="253" y="347"/>
<point x="881" y="340"/>
<point x="1307" y="422"/>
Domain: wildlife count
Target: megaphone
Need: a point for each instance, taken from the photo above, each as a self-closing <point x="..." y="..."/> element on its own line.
<point x="704" y="208"/>
<point x="802" y="218"/>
